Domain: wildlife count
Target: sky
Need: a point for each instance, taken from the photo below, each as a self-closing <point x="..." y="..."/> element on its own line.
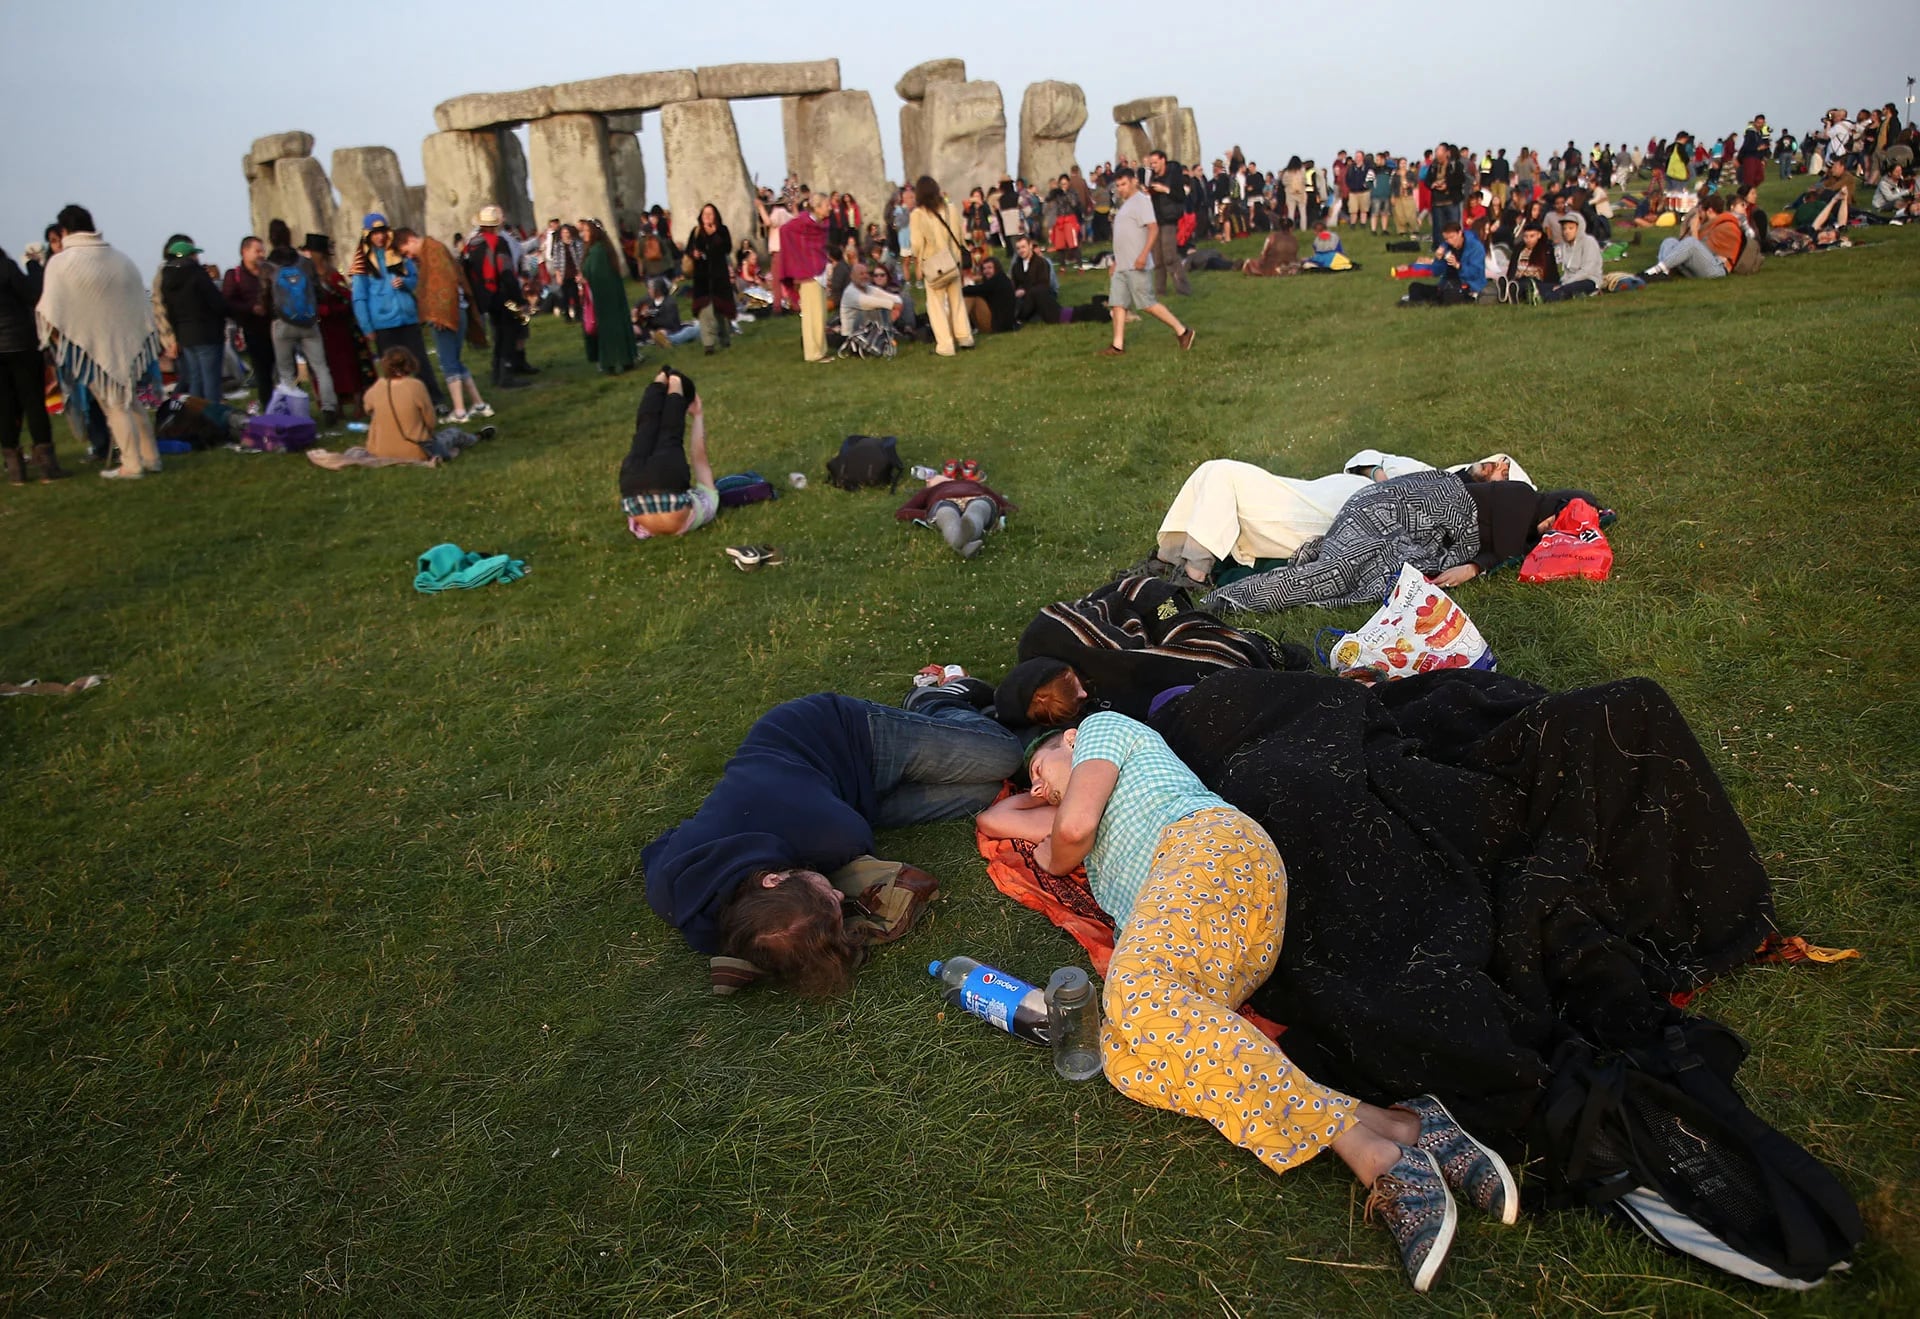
<point x="142" y="111"/>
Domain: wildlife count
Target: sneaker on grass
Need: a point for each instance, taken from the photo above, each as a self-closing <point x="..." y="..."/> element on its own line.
<point x="1474" y="1170"/>
<point x="1412" y="1198"/>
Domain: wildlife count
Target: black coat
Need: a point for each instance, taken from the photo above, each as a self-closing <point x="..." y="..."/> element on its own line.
<point x="194" y="304"/>
<point x="997" y="293"/>
<point x="19" y="295"/>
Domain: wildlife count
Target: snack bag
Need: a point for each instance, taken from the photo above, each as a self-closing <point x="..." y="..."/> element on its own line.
<point x="1576" y="547"/>
<point x="1417" y="630"/>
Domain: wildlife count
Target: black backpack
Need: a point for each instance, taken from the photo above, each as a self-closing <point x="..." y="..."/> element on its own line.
<point x="1659" y="1136"/>
<point x="866" y="460"/>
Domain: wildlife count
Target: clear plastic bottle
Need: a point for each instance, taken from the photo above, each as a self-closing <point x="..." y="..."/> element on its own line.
<point x="1073" y="1024"/>
<point x="1009" y="1002"/>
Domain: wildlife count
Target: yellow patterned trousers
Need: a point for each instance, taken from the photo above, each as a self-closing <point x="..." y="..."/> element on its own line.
<point x="1204" y="935"/>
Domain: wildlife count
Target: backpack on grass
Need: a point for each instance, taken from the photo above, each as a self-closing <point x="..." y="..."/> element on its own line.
<point x="866" y="460"/>
<point x="1659" y="1136"/>
<point x="744" y="488"/>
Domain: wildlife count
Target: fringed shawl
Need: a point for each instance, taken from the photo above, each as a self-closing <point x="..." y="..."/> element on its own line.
<point x="97" y="304"/>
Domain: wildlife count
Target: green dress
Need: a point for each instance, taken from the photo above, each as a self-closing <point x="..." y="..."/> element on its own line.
<point x="611" y="342"/>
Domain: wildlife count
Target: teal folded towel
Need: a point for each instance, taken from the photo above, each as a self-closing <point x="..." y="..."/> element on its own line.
<point x="450" y="568"/>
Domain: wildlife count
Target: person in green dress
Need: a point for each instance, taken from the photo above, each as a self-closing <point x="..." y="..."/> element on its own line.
<point x="610" y="342"/>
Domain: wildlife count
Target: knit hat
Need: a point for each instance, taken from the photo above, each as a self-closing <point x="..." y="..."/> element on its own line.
<point x="1015" y="692"/>
<point x="490" y="217"/>
<point x="373" y="220"/>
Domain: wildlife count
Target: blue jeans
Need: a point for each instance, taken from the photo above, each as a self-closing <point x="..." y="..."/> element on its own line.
<point x="941" y="760"/>
<point x="446" y="346"/>
<point x="687" y="333"/>
<point x="1690" y="257"/>
<point x="1443" y="214"/>
<point x="199" y="370"/>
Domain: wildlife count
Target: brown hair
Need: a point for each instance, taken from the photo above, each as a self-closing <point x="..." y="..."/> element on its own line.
<point x="926" y="193"/>
<point x="398" y="363"/>
<point x="1053" y="701"/>
<point x="400" y="237"/>
<point x="789" y="932"/>
<point x="593" y="233"/>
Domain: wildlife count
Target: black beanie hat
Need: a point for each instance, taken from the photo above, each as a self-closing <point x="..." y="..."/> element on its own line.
<point x="1015" y="692"/>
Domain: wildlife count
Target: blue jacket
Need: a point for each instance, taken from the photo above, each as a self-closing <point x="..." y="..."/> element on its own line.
<point x="1473" y="262"/>
<point x="798" y="792"/>
<point x="377" y="304"/>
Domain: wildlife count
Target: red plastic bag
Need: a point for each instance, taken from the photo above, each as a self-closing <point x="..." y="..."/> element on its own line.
<point x="1576" y="547"/>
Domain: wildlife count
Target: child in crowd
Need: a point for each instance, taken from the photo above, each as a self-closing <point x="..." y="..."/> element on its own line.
<point x="957" y="503"/>
<point x="661" y="492"/>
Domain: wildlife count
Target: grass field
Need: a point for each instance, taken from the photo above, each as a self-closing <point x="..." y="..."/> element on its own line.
<point x="330" y="987"/>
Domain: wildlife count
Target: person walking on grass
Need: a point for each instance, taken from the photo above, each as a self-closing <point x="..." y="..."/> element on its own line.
<point x="96" y="316"/>
<point x="1130" y="287"/>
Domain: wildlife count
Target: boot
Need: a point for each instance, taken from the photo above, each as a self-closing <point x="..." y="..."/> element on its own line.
<point x="16" y="467"/>
<point x="50" y="469"/>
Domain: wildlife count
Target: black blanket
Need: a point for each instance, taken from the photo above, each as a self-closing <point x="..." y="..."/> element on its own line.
<point x="1477" y="870"/>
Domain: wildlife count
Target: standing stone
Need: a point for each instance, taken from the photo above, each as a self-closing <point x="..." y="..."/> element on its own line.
<point x="836" y="142"/>
<point x="704" y="165"/>
<point x="468" y="170"/>
<point x="913" y="83"/>
<point x="369" y="179"/>
<point x="1051" y="117"/>
<point x="417" y="204"/>
<point x="302" y="197"/>
<point x="629" y="180"/>
<point x="1177" y="134"/>
<point x="966" y="136"/>
<point x="739" y="82"/>
<point x="572" y="169"/>
<point x="259" y="194"/>
<point x="1130" y="143"/>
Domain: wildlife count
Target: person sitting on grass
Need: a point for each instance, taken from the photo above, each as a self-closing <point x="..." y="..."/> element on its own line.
<point x="1279" y="255"/>
<point x="958" y="504"/>
<point x="1577" y="253"/>
<point x="1707" y="247"/>
<point x="400" y="416"/>
<point x="991" y="303"/>
<point x="1198" y="897"/>
<point x="745" y="875"/>
<point x="661" y="494"/>
<point x="657" y="316"/>
<point x="863" y="302"/>
<point x="1461" y="260"/>
<point x="1033" y="290"/>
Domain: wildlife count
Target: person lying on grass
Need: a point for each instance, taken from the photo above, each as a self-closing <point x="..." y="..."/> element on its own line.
<point x="1198" y="896"/>
<point x="745" y="875"/>
<point x="958" y="503"/>
<point x="659" y="492"/>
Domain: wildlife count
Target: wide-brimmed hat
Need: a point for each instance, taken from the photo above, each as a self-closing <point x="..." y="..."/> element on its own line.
<point x="490" y="217"/>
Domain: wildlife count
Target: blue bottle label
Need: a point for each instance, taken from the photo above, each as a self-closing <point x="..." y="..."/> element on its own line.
<point x="994" y="996"/>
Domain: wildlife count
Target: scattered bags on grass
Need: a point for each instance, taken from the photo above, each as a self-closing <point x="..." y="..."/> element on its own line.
<point x="739" y="488"/>
<point x="866" y="460"/>
<point x="1576" y="547"/>
<point x="449" y="568"/>
<point x="1418" y="629"/>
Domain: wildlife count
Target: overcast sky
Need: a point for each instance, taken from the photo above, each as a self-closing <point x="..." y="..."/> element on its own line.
<point x="142" y="111"/>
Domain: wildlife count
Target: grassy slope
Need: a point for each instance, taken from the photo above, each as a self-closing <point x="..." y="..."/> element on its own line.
<point x="328" y="983"/>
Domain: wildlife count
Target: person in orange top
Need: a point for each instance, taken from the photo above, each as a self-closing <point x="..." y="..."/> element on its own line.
<point x="1709" y="248"/>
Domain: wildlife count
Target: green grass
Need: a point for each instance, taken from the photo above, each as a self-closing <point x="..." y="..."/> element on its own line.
<point x="329" y="984"/>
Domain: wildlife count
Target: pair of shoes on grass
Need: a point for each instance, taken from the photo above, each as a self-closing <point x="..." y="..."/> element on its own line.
<point x="1414" y="1196"/>
<point x="749" y="557"/>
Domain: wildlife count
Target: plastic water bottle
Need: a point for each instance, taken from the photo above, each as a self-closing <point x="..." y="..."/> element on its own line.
<point x="921" y="472"/>
<point x="1073" y="1024"/>
<point x="1010" y="1003"/>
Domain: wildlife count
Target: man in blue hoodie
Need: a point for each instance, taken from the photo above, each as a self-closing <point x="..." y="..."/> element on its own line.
<point x="1460" y="262"/>
<point x="744" y="876"/>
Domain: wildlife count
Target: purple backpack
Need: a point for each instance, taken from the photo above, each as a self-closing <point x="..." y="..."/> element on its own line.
<point x="276" y="432"/>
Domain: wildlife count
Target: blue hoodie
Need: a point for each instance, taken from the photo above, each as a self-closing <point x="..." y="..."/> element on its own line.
<point x="377" y="304"/>
<point x="798" y="792"/>
<point x="1473" y="262"/>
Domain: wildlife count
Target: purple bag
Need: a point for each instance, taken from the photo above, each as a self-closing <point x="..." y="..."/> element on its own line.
<point x="277" y="433"/>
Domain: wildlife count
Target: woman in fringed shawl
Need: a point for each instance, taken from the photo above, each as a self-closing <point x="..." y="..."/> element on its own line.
<point x="610" y="342"/>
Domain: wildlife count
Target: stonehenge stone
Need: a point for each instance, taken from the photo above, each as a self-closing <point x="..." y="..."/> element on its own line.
<point x="1051" y="117"/>
<point x="281" y="146"/>
<point x="966" y="135"/>
<point x="724" y="82"/>
<point x="913" y="83"/>
<point x="491" y="109"/>
<point x="1176" y="134"/>
<point x="1143" y="109"/>
<point x="633" y="121"/>
<point x="1131" y="144"/>
<point x="913" y="139"/>
<point x="623" y="92"/>
<point x="301" y="196"/>
<point x="572" y="169"/>
<point x="704" y="165"/>
<point x="468" y="170"/>
<point x="417" y="204"/>
<point x="629" y="174"/>
<point x="834" y="140"/>
<point x="369" y="179"/>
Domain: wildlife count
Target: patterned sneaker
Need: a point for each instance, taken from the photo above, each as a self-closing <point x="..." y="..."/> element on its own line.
<point x="1412" y="1197"/>
<point x="1480" y="1175"/>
